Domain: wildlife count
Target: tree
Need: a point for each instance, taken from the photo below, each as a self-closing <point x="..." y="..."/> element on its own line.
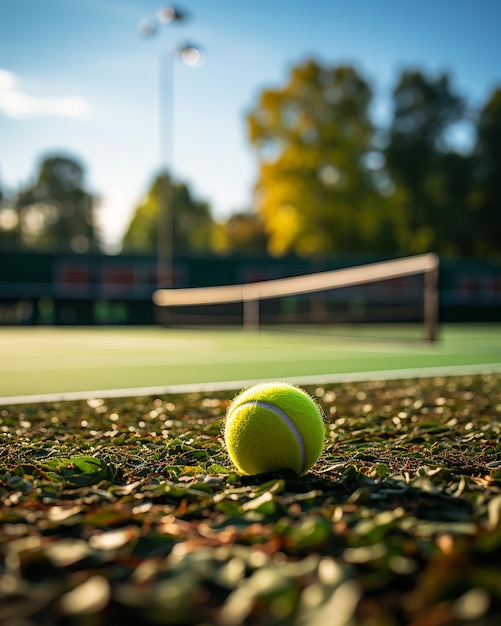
<point x="8" y="221"/>
<point x="315" y="193"/>
<point x="191" y="219"/>
<point x="56" y="211"/>
<point x="242" y="232"/>
<point x="433" y="180"/>
<point x="487" y="176"/>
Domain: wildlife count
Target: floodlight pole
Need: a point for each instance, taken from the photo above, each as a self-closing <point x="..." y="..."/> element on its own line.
<point x="165" y="218"/>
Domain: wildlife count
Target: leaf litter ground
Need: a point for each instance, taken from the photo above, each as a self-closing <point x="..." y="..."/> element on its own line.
<point x="128" y="511"/>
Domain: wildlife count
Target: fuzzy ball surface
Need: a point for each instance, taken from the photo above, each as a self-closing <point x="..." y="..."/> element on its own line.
<point x="273" y="426"/>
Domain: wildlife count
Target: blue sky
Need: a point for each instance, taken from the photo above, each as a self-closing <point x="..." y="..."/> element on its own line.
<point x="75" y="77"/>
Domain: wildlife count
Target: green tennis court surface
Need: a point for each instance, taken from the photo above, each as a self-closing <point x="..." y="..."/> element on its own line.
<point x="58" y="360"/>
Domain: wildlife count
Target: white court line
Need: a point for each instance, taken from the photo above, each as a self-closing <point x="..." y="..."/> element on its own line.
<point x="232" y="385"/>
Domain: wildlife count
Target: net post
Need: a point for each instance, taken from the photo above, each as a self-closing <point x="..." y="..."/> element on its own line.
<point x="431" y="300"/>
<point x="250" y="299"/>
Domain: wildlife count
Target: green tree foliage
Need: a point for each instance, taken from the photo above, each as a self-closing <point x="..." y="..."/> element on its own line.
<point x="56" y="212"/>
<point x="192" y="223"/>
<point x="315" y="192"/>
<point x="242" y="232"/>
<point x="8" y="220"/>
<point x="433" y="180"/>
<point x="330" y="181"/>
<point x="487" y="176"/>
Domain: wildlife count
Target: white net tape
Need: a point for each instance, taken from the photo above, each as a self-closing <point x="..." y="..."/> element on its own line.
<point x="299" y="284"/>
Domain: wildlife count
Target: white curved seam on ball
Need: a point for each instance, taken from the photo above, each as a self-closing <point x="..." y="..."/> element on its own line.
<point x="284" y="417"/>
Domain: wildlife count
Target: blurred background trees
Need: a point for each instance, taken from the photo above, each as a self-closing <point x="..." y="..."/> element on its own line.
<point x="432" y="178"/>
<point x="313" y="192"/>
<point x="192" y="222"/>
<point x="242" y="232"/>
<point x="56" y="211"/>
<point x="330" y="179"/>
<point x="486" y="174"/>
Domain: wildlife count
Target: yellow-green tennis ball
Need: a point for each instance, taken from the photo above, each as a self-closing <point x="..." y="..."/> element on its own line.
<point x="274" y="426"/>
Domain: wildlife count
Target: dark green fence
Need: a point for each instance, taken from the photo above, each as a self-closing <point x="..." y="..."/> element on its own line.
<point x="66" y="289"/>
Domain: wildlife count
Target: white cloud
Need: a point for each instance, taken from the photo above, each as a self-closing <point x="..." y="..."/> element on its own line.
<point x="14" y="103"/>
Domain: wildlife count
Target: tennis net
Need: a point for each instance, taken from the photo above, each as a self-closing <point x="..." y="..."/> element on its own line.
<point x="379" y="275"/>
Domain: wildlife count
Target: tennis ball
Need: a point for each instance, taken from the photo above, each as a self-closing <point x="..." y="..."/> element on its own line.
<point x="273" y="426"/>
